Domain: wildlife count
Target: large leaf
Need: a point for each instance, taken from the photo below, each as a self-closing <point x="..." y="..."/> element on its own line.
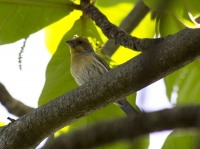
<point x="18" y="19"/>
<point x="176" y="8"/>
<point x="186" y="83"/>
<point x="181" y="139"/>
<point x="58" y="76"/>
<point x="179" y="9"/>
<point x="110" y="3"/>
<point x="169" y="25"/>
<point x="193" y="7"/>
<point x="55" y="32"/>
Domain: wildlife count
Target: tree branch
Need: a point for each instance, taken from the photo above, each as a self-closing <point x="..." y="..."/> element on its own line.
<point x="113" y="32"/>
<point x="2" y="129"/>
<point x="150" y="66"/>
<point x="129" y="24"/>
<point x="129" y="128"/>
<point x="12" y="105"/>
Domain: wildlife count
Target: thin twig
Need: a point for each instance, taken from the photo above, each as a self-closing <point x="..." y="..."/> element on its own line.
<point x="115" y="33"/>
<point x="12" y="105"/>
<point x="128" y="24"/>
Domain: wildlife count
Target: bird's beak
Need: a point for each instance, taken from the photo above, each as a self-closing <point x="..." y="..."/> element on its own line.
<point x="70" y="43"/>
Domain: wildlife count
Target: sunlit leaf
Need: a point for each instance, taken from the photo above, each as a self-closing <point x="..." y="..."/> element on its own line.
<point x="20" y="18"/>
<point x="62" y="131"/>
<point x="141" y="31"/>
<point x="111" y="3"/>
<point x="55" y="32"/>
<point x="183" y="139"/>
<point x="123" y="54"/>
<point x="2" y="123"/>
<point x="146" y="28"/>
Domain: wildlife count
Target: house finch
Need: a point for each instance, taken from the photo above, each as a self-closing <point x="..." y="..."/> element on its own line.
<point x="86" y="65"/>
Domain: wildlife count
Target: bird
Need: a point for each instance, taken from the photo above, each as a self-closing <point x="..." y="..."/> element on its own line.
<point x="86" y="64"/>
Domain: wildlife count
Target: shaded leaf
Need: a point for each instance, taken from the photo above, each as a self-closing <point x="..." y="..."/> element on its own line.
<point x="185" y="82"/>
<point x="169" y="25"/>
<point x="193" y="7"/>
<point x="176" y="8"/>
<point x="140" y="143"/>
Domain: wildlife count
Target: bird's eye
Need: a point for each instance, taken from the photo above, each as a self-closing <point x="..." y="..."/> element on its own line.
<point x="80" y="42"/>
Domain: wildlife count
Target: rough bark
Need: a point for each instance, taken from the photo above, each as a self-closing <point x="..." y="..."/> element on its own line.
<point x="158" y="61"/>
<point x="132" y="20"/>
<point x="12" y="105"/>
<point x="113" y="32"/>
<point x="128" y="128"/>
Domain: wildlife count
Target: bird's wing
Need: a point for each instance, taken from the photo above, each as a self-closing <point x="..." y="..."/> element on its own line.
<point x="102" y="62"/>
<point x="122" y="103"/>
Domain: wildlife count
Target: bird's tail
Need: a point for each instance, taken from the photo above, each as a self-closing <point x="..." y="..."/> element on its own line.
<point x="126" y="107"/>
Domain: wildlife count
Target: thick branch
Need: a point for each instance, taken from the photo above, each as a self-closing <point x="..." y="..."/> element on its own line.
<point x="12" y="105"/>
<point x="115" y="33"/>
<point x="128" y="24"/>
<point x="150" y="66"/>
<point x="129" y="128"/>
<point x="1" y="129"/>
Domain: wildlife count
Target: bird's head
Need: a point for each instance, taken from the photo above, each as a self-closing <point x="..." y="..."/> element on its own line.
<point x="80" y="44"/>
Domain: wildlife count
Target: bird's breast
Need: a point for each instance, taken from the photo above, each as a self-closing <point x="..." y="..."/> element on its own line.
<point x="85" y="67"/>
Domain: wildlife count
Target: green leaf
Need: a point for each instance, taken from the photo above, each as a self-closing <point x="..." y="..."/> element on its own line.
<point x="55" y="32"/>
<point x="181" y="139"/>
<point x="2" y="123"/>
<point x="20" y="18"/>
<point x="158" y="5"/>
<point x="140" y="143"/>
<point x="185" y="82"/>
<point x="113" y="11"/>
<point x="169" y="20"/>
<point x="176" y="8"/>
<point x="193" y="7"/>
<point x="58" y="77"/>
<point x="113" y="2"/>
<point x="141" y="31"/>
<point x="179" y="9"/>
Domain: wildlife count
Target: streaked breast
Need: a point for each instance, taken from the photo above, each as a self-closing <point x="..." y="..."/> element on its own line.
<point x="85" y="67"/>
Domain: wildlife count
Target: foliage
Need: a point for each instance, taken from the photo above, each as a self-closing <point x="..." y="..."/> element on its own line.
<point x="19" y="19"/>
<point x="183" y="139"/>
<point x="22" y="18"/>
